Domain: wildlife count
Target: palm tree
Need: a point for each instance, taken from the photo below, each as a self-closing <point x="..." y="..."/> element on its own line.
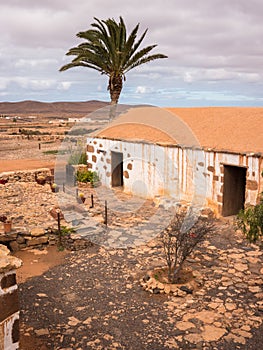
<point x="108" y="50"/>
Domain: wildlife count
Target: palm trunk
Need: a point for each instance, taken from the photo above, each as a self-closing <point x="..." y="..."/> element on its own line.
<point x="115" y="87"/>
<point x="113" y="108"/>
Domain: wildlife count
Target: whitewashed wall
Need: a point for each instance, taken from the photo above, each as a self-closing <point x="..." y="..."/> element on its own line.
<point x="192" y="175"/>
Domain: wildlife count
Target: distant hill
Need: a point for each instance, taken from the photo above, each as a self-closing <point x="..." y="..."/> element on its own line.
<point x="50" y="109"/>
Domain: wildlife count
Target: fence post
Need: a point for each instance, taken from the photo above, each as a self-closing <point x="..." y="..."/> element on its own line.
<point x="92" y="201"/>
<point x="106" y="214"/>
<point x="59" y="229"/>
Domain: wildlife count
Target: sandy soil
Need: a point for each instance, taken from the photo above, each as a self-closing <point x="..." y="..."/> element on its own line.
<point x="24" y="164"/>
<point x="25" y="154"/>
<point x="36" y="262"/>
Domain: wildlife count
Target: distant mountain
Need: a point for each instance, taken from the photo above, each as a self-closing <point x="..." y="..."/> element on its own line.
<point x="49" y="109"/>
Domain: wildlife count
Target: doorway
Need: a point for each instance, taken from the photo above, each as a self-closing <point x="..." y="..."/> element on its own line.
<point x="116" y="169"/>
<point x="234" y="189"/>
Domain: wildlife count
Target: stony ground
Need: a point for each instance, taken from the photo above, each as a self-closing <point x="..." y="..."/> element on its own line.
<point x="28" y="204"/>
<point x="19" y="148"/>
<point x="21" y="152"/>
<point x="94" y="300"/>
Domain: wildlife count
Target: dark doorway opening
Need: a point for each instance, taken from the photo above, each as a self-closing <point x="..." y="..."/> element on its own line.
<point x="234" y="189"/>
<point x="116" y="169"/>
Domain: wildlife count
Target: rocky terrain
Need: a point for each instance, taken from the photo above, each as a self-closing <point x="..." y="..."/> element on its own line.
<point x="96" y="298"/>
<point x="95" y="301"/>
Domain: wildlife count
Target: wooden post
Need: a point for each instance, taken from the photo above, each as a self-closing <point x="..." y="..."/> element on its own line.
<point x="92" y="201"/>
<point x="59" y="229"/>
<point x="63" y="187"/>
<point x="106" y="214"/>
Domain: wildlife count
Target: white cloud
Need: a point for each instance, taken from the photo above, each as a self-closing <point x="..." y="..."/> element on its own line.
<point x="216" y="44"/>
<point x="250" y="77"/>
<point x="3" y="83"/>
<point x="64" y="85"/>
<point x="141" y="90"/>
<point x="32" y="63"/>
<point x="33" y="84"/>
<point x="188" y="78"/>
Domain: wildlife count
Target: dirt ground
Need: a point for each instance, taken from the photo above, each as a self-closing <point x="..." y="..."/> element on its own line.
<point x="17" y="154"/>
<point x="91" y="300"/>
<point x="35" y="263"/>
<point x="24" y="164"/>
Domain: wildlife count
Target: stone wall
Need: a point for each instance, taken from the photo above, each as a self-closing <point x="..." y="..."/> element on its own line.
<point x="30" y="207"/>
<point x="27" y="205"/>
<point x="9" y="302"/>
<point x="20" y="238"/>
<point x="26" y="175"/>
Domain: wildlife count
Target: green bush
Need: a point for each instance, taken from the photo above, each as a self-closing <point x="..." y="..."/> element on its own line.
<point x="78" y="157"/>
<point x="83" y="158"/>
<point x="80" y="131"/>
<point x="84" y="175"/>
<point x="52" y="151"/>
<point x="55" y="151"/>
<point x="32" y="132"/>
<point x="66" y="231"/>
<point x="250" y="221"/>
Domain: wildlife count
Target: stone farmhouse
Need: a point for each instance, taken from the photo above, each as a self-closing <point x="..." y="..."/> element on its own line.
<point x="205" y="156"/>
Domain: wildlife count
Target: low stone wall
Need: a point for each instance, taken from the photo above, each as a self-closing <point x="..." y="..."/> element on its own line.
<point x="20" y="238"/>
<point x="25" y="175"/>
<point x="27" y="204"/>
<point x="9" y="301"/>
<point x="31" y="207"/>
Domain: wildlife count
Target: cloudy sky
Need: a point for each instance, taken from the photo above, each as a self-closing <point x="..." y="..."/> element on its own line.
<point x="215" y="50"/>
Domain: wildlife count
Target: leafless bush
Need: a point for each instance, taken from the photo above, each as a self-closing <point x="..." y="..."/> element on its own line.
<point x="180" y="239"/>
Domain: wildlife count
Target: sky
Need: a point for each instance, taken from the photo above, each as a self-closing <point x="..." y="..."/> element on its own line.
<point x="214" y="49"/>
